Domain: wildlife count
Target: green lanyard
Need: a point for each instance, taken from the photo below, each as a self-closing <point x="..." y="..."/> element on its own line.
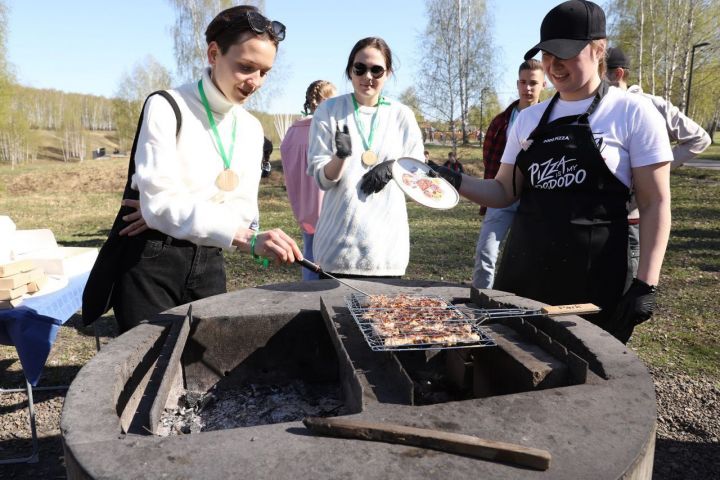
<point x="373" y="123"/>
<point x="226" y="158"/>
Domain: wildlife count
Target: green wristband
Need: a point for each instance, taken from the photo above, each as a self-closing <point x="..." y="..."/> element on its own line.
<point x="264" y="261"/>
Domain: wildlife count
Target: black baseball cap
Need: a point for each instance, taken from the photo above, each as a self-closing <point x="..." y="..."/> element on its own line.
<point x="616" y="58"/>
<point x="567" y="28"/>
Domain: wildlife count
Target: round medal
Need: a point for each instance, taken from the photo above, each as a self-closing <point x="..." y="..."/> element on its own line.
<point x="369" y="158"/>
<point x="227" y="180"/>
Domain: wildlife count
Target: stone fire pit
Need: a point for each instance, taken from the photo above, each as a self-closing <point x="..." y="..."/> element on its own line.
<point x="554" y="383"/>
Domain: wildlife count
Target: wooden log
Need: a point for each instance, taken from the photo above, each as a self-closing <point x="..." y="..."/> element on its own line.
<point x="12" y="268"/>
<point x="20" y="278"/>
<point x="433" y="439"/>
<point x="13" y="293"/>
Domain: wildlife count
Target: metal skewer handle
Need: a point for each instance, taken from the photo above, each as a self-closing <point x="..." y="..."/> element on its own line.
<point x="572" y="309"/>
<point x="313" y="267"/>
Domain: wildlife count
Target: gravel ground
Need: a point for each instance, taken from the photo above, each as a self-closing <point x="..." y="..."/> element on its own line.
<point x="688" y="435"/>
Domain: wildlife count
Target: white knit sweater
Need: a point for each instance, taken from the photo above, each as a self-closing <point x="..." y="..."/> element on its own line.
<point x="176" y="177"/>
<point x="358" y="234"/>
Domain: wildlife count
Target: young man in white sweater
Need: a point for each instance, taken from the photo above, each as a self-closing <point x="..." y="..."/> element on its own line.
<point x="198" y="189"/>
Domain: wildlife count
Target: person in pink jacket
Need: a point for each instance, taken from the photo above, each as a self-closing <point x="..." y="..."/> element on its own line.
<point x="304" y="194"/>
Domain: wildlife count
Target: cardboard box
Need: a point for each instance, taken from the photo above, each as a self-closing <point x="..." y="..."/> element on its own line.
<point x="7" y="235"/>
<point x="28" y="241"/>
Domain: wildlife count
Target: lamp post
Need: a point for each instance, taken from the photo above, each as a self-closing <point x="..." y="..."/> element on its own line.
<point x="692" y="60"/>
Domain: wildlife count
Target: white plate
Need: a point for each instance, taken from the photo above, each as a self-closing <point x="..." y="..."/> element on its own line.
<point x="412" y="178"/>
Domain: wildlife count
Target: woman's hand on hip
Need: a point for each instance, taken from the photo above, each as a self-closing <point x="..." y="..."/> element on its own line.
<point x="135" y="220"/>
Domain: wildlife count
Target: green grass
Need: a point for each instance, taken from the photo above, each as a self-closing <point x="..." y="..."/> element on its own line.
<point x="713" y="151"/>
<point x="79" y="201"/>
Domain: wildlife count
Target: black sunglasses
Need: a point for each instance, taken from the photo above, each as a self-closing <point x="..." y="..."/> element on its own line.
<point x="260" y="24"/>
<point x="361" y="69"/>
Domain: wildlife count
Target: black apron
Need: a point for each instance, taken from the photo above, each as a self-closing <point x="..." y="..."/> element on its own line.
<point x="568" y="240"/>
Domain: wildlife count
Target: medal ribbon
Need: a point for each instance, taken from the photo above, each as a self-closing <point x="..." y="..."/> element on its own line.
<point x="226" y="158"/>
<point x="373" y="123"/>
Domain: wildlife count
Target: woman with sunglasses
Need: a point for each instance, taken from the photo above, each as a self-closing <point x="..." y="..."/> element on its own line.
<point x="354" y="138"/>
<point x="572" y="161"/>
<point x="197" y="186"/>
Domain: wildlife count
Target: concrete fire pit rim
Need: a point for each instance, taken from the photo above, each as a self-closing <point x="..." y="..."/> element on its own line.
<point x="86" y="422"/>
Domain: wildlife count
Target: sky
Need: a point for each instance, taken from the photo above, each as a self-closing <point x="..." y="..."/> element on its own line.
<point x="86" y="46"/>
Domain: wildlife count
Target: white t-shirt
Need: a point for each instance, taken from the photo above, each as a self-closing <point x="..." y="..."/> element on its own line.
<point x="627" y="128"/>
<point x="360" y="234"/>
<point x="176" y="177"/>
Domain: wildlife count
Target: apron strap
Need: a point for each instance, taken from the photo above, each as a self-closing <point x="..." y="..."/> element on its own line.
<point x="583" y="118"/>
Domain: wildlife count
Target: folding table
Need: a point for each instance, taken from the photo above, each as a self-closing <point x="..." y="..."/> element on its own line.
<point x="32" y="328"/>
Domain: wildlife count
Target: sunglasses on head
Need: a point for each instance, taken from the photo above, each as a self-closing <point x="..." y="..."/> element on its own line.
<point x="361" y="69"/>
<point x="260" y="24"/>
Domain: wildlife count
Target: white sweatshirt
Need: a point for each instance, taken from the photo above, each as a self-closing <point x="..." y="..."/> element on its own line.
<point x="176" y="177"/>
<point x="358" y="234"/>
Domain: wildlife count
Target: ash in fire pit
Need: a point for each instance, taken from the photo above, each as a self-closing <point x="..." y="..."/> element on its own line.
<point x="281" y="370"/>
<point x="250" y="405"/>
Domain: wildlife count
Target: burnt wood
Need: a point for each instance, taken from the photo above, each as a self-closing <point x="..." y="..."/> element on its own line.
<point x="433" y="439"/>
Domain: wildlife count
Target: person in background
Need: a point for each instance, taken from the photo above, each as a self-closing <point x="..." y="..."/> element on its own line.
<point x="198" y="191"/>
<point x="304" y="195"/>
<point x="427" y="156"/>
<point x="689" y="137"/>
<point x="267" y="151"/>
<point x="572" y="161"/>
<point x="497" y="221"/>
<point x="453" y="163"/>
<point x="363" y="227"/>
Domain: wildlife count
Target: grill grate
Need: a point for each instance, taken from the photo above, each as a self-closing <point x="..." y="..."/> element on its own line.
<point x="405" y="335"/>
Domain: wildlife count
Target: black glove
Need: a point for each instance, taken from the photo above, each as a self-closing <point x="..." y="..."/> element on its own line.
<point x="455" y="178"/>
<point x="343" y="144"/>
<point x="635" y="307"/>
<point x="377" y="177"/>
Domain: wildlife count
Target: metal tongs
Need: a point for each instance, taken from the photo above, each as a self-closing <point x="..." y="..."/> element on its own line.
<point x="313" y="267"/>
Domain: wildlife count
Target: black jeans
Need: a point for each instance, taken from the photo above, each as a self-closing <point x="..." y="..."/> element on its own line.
<point x="163" y="273"/>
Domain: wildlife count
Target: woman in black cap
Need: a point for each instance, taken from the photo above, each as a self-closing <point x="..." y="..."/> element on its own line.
<point x="572" y="161"/>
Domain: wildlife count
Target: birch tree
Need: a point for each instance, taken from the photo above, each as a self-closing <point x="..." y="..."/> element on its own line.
<point x="191" y="19"/>
<point x="145" y="77"/>
<point x="457" y="46"/>
<point x="5" y="75"/>
<point x="659" y="36"/>
<point x="15" y="137"/>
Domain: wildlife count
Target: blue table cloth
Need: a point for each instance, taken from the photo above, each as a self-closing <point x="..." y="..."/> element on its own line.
<point x="33" y="326"/>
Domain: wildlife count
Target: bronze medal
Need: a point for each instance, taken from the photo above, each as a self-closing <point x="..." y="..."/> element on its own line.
<point x="227" y="180"/>
<point x="369" y="158"/>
